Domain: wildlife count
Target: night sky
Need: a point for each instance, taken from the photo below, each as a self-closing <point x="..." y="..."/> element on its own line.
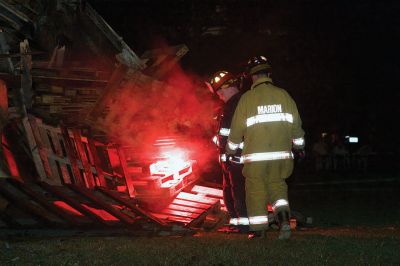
<point x="338" y="59"/>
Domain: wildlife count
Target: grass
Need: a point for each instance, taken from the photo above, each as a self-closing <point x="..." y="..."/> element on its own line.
<point x="206" y="249"/>
<point x="350" y="228"/>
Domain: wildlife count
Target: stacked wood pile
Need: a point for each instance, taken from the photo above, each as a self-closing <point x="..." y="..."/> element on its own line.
<point x="67" y="94"/>
<point x="68" y="137"/>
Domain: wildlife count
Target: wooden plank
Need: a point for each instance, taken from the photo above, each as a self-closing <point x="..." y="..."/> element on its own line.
<point x="74" y="203"/>
<point x="172" y="218"/>
<point x="108" y="207"/>
<point x="185" y="208"/>
<point x="126" y="201"/>
<point x="29" y="206"/>
<point x="128" y="178"/>
<point x="33" y="146"/>
<point x="70" y="150"/>
<point x="196" y="198"/>
<point x="97" y="163"/>
<point x="55" y="177"/>
<point x="69" y="81"/>
<point x="44" y="202"/>
<point x="197" y="205"/>
<point x="85" y="161"/>
<point x="8" y="219"/>
<point x="208" y="191"/>
<point x="56" y="143"/>
<point x="180" y="213"/>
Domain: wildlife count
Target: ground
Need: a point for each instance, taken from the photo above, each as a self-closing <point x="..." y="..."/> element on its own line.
<point x="350" y="227"/>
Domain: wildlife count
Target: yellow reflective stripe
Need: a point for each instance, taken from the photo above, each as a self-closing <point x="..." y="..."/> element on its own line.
<point x="233" y="146"/>
<point x="262" y="219"/>
<point x="265" y="118"/>
<point x="267" y="156"/>
<point x="279" y="203"/>
<point x="298" y="142"/>
<point x="224" y="131"/>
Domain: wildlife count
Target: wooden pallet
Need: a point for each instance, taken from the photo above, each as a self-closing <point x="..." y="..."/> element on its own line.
<point x="188" y="209"/>
<point x="210" y="190"/>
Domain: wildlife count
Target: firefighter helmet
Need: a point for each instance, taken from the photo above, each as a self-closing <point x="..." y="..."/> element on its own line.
<point x="218" y="79"/>
<point x="257" y="64"/>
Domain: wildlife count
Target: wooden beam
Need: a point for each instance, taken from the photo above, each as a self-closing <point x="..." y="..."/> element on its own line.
<point x="214" y="192"/>
<point x="31" y="207"/>
<point x="70" y="150"/>
<point x="43" y="201"/>
<point x="108" y="207"/>
<point x="132" y="206"/>
<point x="70" y="81"/>
<point x="97" y="162"/>
<point x="72" y="202"/>
<point x="87" y="168"/>
<point x="128" y="177"/>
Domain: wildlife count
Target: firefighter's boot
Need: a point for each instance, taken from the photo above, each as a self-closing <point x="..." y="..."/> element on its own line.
<point x="284" y="225"/>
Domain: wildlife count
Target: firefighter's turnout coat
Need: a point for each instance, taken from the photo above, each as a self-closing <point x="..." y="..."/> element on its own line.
<point x="268" y="120"/>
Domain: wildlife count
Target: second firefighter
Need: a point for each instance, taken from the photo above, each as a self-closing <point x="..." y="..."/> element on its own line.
<point x="226" y="86"/>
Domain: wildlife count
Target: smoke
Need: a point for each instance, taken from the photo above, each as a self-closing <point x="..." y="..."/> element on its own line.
<point x="144" y="110"/>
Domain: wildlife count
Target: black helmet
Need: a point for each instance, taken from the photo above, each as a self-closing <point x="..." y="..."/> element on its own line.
<point x="257" y="64"/>
<point x="218" y="79"/>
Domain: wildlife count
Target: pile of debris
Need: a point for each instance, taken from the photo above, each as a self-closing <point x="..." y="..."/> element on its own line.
<point x="65" y="166"/>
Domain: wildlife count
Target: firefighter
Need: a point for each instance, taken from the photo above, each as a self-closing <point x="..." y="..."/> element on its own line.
<point x="268" y="120"/>
<point x="226" y="86"/>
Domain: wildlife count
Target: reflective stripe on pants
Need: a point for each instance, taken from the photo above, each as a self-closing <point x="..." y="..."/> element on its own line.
<point x="239" y="221"/>
<point x="266" y="156"/>
<point x="258" y="220"/>
<point x="280" y="204"/>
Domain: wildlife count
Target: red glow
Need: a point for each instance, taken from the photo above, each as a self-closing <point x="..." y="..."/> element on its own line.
<point x="101" y="213"/>
<point x="145" y="109"/>
<point x="12" y="164"/>
<point x="63" y="205"/>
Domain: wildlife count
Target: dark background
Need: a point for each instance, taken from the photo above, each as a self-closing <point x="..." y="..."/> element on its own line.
<point x="338" y="59"/>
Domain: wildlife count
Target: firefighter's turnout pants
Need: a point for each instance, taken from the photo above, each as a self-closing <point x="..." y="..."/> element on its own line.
<point x="234" y="190"/>
<point x="265" y="182"/>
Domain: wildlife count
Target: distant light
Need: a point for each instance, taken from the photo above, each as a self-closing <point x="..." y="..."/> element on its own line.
<point x="353" y="139"/>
